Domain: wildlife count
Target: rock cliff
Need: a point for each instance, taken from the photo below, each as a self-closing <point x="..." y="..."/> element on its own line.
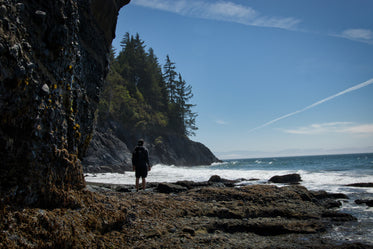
<point x="111" y="150"/>
<point x="53" y="61"/>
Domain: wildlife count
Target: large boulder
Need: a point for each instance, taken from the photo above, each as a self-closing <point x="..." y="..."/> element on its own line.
<point x="289" y="178"/>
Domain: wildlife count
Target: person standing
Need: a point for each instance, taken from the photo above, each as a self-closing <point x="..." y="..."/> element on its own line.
<point x="140" y="163"/>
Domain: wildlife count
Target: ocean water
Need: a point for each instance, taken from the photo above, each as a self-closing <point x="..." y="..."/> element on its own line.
<point x="329" y="172"/>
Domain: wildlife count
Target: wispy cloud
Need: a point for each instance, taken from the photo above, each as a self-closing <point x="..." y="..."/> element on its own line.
<point x="220" y="10"/>
<point x="170" y="6"/>
<point x="360" y="35"/>
<point x="334" y="127"/>
<point x="359" y="129"/>
<point x="221" y="122"/>
<point x="354" y="88"/>
<point x="243" y="14"/>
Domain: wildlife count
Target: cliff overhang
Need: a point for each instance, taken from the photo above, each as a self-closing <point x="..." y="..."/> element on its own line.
<point x="53" y="62"/>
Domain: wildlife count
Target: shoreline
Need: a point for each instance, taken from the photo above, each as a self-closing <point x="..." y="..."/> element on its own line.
<point x="321" y="237"/>
<point x="185" y="214"/>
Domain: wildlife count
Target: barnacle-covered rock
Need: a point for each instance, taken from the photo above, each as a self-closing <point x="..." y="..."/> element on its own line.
<point x="52" y="66"/>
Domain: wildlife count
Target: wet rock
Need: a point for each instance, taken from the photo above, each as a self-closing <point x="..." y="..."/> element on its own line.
<point x="27" y="47"/>
<point x="217" y="185"/>
<point x="123" y="189"/>
<point x="3" y="10"/>
<point x="40" y="16"/>
<point x="106" y="169"/>
<point x="20" y="72"/>
<point x="290" y="178"/>
<point x="189" y="230"/>
<point x="192" y="184"/>
<point x="268" y="227"/>
<point x="361" y="185"/>
<point x="338" y="217"/>
<point x="332" y="204"/>
<point x="2" y="48"/>
<point x="15" y="50"/>
<point x="45" y="89"/>
<point x="368" y="202"/>
<point x="338" y="196"/>
<point x="217" y="181"/>
<point x="30" y="66"/>
<point x="321" y="194"/>
<point x="170" y="188"/>
<point x="215" y="178"/>
<point x="20" y="7"/>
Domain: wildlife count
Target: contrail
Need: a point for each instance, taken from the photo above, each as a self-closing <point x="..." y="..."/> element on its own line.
<point x="358" y="86"/>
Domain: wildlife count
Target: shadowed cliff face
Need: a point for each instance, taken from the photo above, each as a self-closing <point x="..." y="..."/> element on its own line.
<point x="53" y="61"/>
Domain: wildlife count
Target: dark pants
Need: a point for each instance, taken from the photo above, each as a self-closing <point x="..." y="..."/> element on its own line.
<point x="141" y="171"/>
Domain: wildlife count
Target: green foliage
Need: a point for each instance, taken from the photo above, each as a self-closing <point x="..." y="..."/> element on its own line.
<point x="158" y="140"/>
<point x="141" y="96"/>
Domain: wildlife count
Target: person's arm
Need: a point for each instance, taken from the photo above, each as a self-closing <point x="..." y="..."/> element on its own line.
<point x="133" y="161"/>
<point x="147" y="160"/>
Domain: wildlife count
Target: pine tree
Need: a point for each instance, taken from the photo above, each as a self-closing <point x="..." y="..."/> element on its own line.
<point x="187" y="117"/>
<point x="169" y="77"/>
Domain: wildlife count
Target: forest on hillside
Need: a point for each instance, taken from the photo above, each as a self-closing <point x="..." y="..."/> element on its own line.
<point x="144" y="95"/>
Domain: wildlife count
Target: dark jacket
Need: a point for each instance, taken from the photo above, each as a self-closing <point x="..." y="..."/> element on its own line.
<point x="140" y="157"/>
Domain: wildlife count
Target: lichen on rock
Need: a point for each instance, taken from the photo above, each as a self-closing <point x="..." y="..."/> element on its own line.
<point x="53" y="61"/>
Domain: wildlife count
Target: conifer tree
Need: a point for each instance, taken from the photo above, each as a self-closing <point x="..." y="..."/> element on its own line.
<point x="169" y="77"/>
<point x="187" y="117"/>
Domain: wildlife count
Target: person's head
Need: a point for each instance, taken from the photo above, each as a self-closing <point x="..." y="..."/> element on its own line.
<point x="140" y="142"/>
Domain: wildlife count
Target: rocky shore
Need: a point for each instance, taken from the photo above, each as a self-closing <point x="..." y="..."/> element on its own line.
<point x="212" y="214"/>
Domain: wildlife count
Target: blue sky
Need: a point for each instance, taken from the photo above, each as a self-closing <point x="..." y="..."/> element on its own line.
<point x="269" y="77"/>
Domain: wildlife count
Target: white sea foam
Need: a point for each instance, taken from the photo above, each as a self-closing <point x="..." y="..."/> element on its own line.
<point x="333" y="181"/>
<point x="329" y="181"/>
<point x="164" y="173"/>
